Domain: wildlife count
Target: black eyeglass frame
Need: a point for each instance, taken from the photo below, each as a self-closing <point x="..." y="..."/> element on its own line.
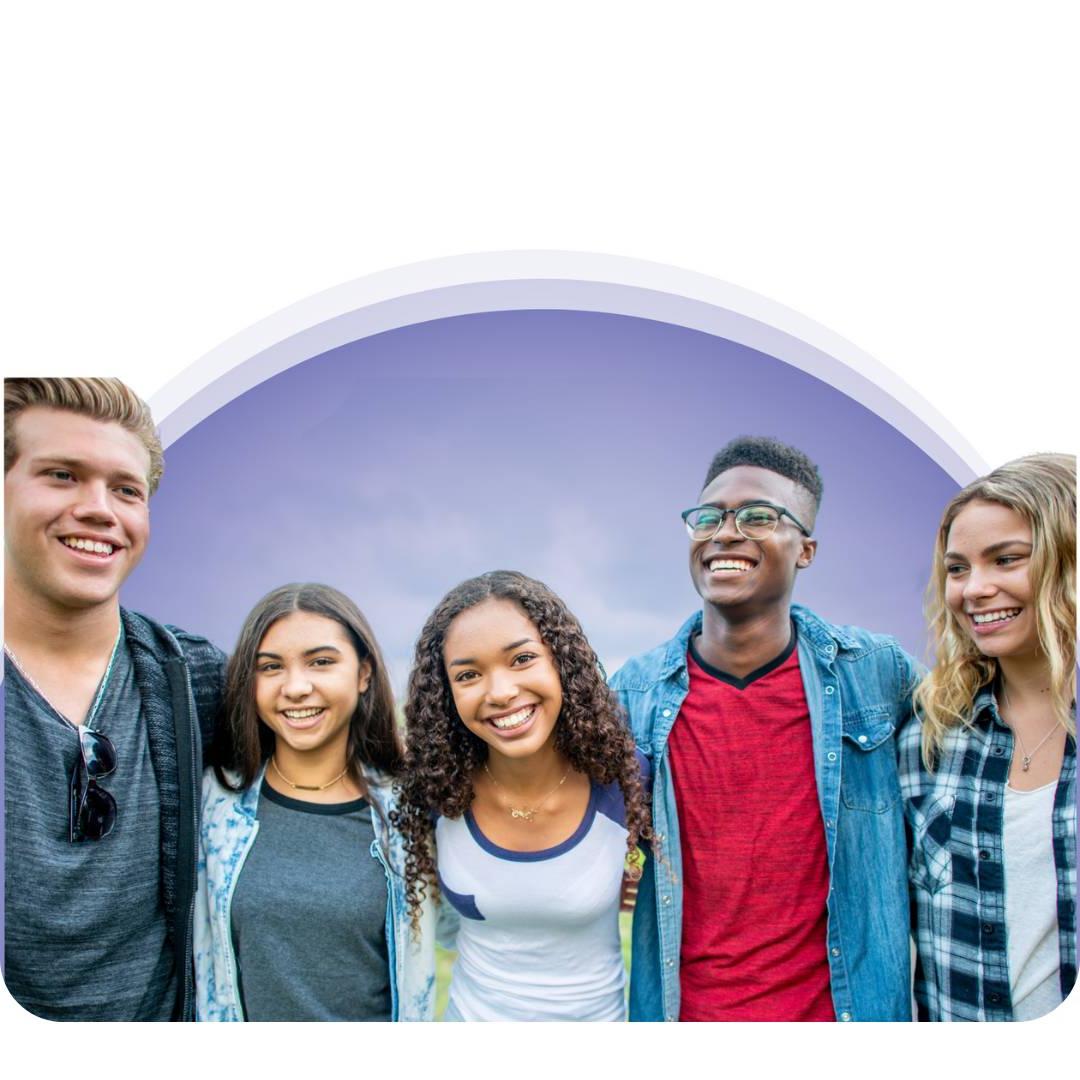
<point x="781" y="511"/>
<point x="91" y="809"/>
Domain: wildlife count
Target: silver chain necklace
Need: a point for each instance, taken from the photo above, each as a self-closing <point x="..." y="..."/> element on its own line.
<point x="88" y="723"/>
<point x="1026" y="762"/>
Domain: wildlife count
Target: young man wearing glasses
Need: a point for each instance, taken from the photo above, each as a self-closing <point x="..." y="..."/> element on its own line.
<point x="106" y="713"/>
<point x="779" y="889"/>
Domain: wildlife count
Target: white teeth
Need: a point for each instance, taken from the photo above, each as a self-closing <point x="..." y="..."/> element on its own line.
<point x="731" y="564"/>
<point x="504" y="723"/>
<point x="96" y="546"/>
<point x="996" y="616"/>
<point x="301" y="714"/>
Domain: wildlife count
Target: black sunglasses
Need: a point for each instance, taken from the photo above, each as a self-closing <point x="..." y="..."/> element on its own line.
<point x="91" y="809"/>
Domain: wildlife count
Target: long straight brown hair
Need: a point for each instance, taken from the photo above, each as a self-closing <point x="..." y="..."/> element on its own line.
<point x="244" y="742"/>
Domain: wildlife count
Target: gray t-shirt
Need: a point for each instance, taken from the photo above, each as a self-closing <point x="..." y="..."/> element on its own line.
<point x="309" y="914"/>
<point x="85" y="933"/>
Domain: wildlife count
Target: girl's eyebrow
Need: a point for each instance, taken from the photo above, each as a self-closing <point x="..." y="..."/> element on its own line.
<point x="518" y="644"/>
<point x="307" y="652"/>
<point x="506" y="648"/>
<point x="993" y="549"/>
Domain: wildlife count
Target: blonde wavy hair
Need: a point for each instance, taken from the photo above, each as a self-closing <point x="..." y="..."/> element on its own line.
<point x="1042" y="489"/>
<point x="107" y="400"/>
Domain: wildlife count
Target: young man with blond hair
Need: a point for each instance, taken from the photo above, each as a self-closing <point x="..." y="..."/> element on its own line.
<point x="106" y="714"/>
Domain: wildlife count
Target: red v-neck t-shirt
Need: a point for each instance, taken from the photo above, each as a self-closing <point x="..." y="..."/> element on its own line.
<point x="755" y="866"/>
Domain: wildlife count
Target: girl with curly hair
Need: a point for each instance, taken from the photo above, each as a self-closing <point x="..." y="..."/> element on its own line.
<point x="521" y="775"/>
<point x="301" y="910"/>
<point x="988" y="765"/>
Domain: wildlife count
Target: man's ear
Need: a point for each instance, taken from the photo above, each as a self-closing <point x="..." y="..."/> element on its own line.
<point x="807" y="553"/>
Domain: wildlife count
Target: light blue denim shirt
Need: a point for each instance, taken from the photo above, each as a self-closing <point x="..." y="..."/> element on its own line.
<point x="228" y="830"/>
<point x="858" y="690"/>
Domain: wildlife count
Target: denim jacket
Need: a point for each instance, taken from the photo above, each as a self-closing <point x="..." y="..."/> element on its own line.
<point x="858" y="690"/>
<point x="229" y="827"/>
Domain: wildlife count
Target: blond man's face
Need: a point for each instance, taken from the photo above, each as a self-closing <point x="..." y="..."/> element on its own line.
<point x="76" y="508"/>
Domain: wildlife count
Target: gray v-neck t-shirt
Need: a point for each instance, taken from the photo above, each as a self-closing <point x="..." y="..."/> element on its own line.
<point x="85" y="933"/>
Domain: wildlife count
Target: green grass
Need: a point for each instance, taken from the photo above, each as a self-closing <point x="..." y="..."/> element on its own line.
<point x="444" y="962"/>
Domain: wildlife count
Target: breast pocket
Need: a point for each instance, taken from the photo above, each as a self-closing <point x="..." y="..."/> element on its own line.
<point x="931" y="830"/>
<point x="868" y="777"/>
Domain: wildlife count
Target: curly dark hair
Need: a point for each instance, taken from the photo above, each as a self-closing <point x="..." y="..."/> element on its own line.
<point x="769" y="454"/>
<point x="442" y="754"/>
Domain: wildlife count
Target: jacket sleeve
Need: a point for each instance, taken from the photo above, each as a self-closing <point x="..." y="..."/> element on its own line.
<point x="449" y="922"/>
<point x="202" y="931"/>
<point x="909" y="674"/>
<point x="635" y="718"/>
<point x="206" y="669"/>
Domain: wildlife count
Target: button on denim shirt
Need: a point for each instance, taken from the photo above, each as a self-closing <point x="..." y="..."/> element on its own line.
<point x="858" y="689"/>
<point x="229" y="827"/>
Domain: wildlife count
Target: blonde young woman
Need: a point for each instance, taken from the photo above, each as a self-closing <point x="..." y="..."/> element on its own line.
<point x="988" y="765"/>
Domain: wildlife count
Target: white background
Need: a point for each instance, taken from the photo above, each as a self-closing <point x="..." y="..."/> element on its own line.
<point x="905" y="175"/>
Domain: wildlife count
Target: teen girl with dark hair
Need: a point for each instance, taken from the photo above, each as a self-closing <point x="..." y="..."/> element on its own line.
<point x="300" y="911"/>
<point x="988" y="764"/>
<point x="521" y="775"/>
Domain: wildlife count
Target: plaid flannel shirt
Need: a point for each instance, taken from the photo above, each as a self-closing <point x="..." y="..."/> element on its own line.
<point x="955" y="817"/>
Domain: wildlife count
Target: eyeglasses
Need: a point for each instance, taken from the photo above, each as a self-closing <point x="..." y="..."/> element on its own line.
<point x="754" y="521"/>
<point x="91" y="809"/>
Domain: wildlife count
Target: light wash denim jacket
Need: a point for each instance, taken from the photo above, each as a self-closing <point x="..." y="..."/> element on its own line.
<point x="229" y="827"/>
<point x="858" y="689"/>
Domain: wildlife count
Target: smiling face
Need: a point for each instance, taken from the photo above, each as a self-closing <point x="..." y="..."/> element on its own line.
<point x="988" y="579"/>
<point x="76" y="512"/>
<point x="503" y="678"/>
<point x="736" y="574"/>
<point x="308" y="679"/>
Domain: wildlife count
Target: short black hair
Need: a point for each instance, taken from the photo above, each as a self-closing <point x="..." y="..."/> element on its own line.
<point x="766" y="453"/>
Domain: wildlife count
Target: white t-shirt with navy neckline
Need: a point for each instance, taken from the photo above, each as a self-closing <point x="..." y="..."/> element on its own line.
<point x="539" y="935"/>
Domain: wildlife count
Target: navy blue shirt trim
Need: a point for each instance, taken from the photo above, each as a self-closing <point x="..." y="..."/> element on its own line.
<point x="326" y="809"/>
<point x="536" y="856"/>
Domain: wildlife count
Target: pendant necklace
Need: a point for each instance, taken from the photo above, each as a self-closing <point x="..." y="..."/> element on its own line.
<point x="527" y="813"/>
<point x="1026" y="757"/>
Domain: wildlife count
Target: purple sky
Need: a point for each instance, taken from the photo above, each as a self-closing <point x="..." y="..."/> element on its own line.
<point x="563" y="444"/>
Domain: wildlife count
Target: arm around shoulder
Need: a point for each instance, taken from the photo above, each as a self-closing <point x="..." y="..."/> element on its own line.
<point x="206" y="665"/>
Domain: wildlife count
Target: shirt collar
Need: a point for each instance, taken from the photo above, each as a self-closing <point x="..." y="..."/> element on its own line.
<point x="984" y="709"/>
<point x="825" y="638"/>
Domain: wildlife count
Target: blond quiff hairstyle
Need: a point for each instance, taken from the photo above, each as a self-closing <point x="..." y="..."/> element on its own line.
<point x="1042" y="489"/>
<point x="107" y="400"/>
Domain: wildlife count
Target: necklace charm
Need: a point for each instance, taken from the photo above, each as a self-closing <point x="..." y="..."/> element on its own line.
<point x="1025" y="764"/>
<point x="528" y="813"/>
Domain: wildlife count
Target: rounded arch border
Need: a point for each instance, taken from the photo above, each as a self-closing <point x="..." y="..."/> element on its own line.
<point x="554" y="280"/>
